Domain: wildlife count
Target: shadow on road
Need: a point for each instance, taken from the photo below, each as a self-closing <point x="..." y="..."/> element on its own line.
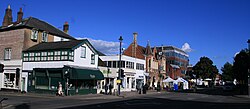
<point x="160" y="103"/>
<point x="212" y="91"/>
<point x="22" y="106"/>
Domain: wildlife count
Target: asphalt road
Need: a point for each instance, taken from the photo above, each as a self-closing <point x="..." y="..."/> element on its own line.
<point x="164" y="100"/>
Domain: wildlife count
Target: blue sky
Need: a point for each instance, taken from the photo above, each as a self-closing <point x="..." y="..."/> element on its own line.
<point x="213" y="28"/>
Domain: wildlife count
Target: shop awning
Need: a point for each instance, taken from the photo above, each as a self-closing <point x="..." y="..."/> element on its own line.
<point x="87" y="74"/>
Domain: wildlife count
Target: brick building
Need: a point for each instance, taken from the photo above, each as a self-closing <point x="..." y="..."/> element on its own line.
<point x="176" y="61"/>
<point x="19" y="35"/>
<point x="155" y="62"/>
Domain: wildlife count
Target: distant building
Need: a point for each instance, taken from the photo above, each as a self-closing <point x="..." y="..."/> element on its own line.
<point x="134" y="72"/>
<point x="18" y="36"/>
<point x="154" y="61"/>
<point x="177" y="61"/>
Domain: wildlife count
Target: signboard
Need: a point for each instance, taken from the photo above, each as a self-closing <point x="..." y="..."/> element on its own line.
<point x="118" y="81"/>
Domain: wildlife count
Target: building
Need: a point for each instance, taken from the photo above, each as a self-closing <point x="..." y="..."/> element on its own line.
<point x="72" y="63"/>
<point x="134" y="72"/>
<point x="19" y="35"/>
<point x="153" y="58"/>
<point x="177" y="61"/>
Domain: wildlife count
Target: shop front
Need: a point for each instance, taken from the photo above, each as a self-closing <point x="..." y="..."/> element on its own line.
<point x="73" y="80"/>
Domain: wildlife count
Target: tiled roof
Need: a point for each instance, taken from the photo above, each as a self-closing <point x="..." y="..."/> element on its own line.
<point x="32" y="22"/>
<point x="55" y="45"/>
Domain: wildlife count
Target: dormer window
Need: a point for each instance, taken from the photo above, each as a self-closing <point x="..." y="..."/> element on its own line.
<point x="44" y="37"/>
<point x="34" y="34"/>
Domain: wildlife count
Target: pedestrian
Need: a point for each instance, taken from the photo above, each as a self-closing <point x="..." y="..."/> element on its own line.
<point x="106" y="89"/>
<point x="59" y="91"/>
<point x="110" y="88"/>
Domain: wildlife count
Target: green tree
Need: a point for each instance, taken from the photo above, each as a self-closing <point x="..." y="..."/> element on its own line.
<point x="241" y="68"/>
<point x="227" y="72"/>
<point x="205" y="69"/>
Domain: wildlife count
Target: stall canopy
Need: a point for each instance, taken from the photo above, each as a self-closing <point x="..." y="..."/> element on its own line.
<point x="168" y="80"/>
<point x="185" y="83"/>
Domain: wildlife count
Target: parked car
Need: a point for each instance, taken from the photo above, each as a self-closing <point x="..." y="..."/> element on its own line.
<point x="228" y="87"/>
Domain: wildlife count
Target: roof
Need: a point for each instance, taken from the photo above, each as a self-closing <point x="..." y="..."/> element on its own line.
<point x="60" y="45"/>
<point x="54" y="45"/>
<point x="148" y="50"/>
<point x="32" y="22"/>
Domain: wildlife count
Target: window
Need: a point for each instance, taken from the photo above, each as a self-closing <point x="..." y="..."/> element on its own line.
<point x="71" y="55"/>
<point x="31" y="56"/>
<point x="43" y="56"/>
<point x="139" y="66"/>
<point x="37" y="56"/>
<point x="26" y="57"/>
<point x="34" y="34"/>
<point x="64" y="55"/>
<point x="92" y="59"/>
<point x="130" y="65"/>
<point x="122" y="65"/>
<point x="57" y="55"/>
<point x="114" y="64"/>
<point x="50" y="56"/>
<point x="109" y="63"/>
<point x="44" y="37"/>
<point x="7" y="53"/>
<point x="83" y="52"/>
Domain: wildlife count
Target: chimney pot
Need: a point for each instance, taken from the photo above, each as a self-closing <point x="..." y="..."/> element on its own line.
<point x="7" y="20"/>
<point x="66" y="27"/>
<point x="20" y="15"/>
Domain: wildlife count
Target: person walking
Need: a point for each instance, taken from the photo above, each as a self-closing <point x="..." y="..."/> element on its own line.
<point x="106" y="89"/>
<point x="110" y="88"/>
<point x="59" y="91"/>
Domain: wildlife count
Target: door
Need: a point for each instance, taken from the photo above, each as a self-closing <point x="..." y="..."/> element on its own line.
<point x="23" y="84"/>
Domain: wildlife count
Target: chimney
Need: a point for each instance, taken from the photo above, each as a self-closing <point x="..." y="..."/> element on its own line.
<point x="20" y="15"/>
<point x="135" y="37"/>
<point x="134" y="45"/>
<point x="7" y="20"/>
<point x="66" y="27"/>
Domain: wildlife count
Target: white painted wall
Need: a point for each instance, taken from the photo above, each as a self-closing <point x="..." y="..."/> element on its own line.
<point x="10" y="67"/>
<point x="46" y="64"/>
<point x="78" y="61"/>
<point x="56" y="39"/>
<point x="136" y="73"/>
<point x="84" y="62"/>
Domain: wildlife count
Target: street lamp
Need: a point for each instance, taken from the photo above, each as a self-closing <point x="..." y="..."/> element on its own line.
<point x="119" y="74"/>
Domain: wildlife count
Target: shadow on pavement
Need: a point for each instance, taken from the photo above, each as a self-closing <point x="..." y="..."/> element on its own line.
<point x="160" y="103"/>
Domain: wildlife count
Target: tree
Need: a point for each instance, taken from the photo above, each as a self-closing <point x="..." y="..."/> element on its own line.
<point x="227" y="72"/>
<point x="205" y="69"/>
<point x="241" y="68"/>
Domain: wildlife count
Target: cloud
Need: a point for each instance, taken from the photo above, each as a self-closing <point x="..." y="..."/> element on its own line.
<point x="186" y="48"/>
<point x="106" y="47"/>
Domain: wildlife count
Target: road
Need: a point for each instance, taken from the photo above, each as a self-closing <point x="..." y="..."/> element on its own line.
<point x="163" y="100"/>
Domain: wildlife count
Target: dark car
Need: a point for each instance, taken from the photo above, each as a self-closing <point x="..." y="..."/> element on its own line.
<point x="228" y="87"/>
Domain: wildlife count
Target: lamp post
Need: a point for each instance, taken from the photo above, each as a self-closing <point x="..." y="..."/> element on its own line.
<point x="119" y="74"/>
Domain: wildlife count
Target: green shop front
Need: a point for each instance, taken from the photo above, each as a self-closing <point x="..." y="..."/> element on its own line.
<point x="74" y="80"/>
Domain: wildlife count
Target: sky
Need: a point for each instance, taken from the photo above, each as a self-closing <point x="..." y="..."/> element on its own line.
<point x="217" y="29"/>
